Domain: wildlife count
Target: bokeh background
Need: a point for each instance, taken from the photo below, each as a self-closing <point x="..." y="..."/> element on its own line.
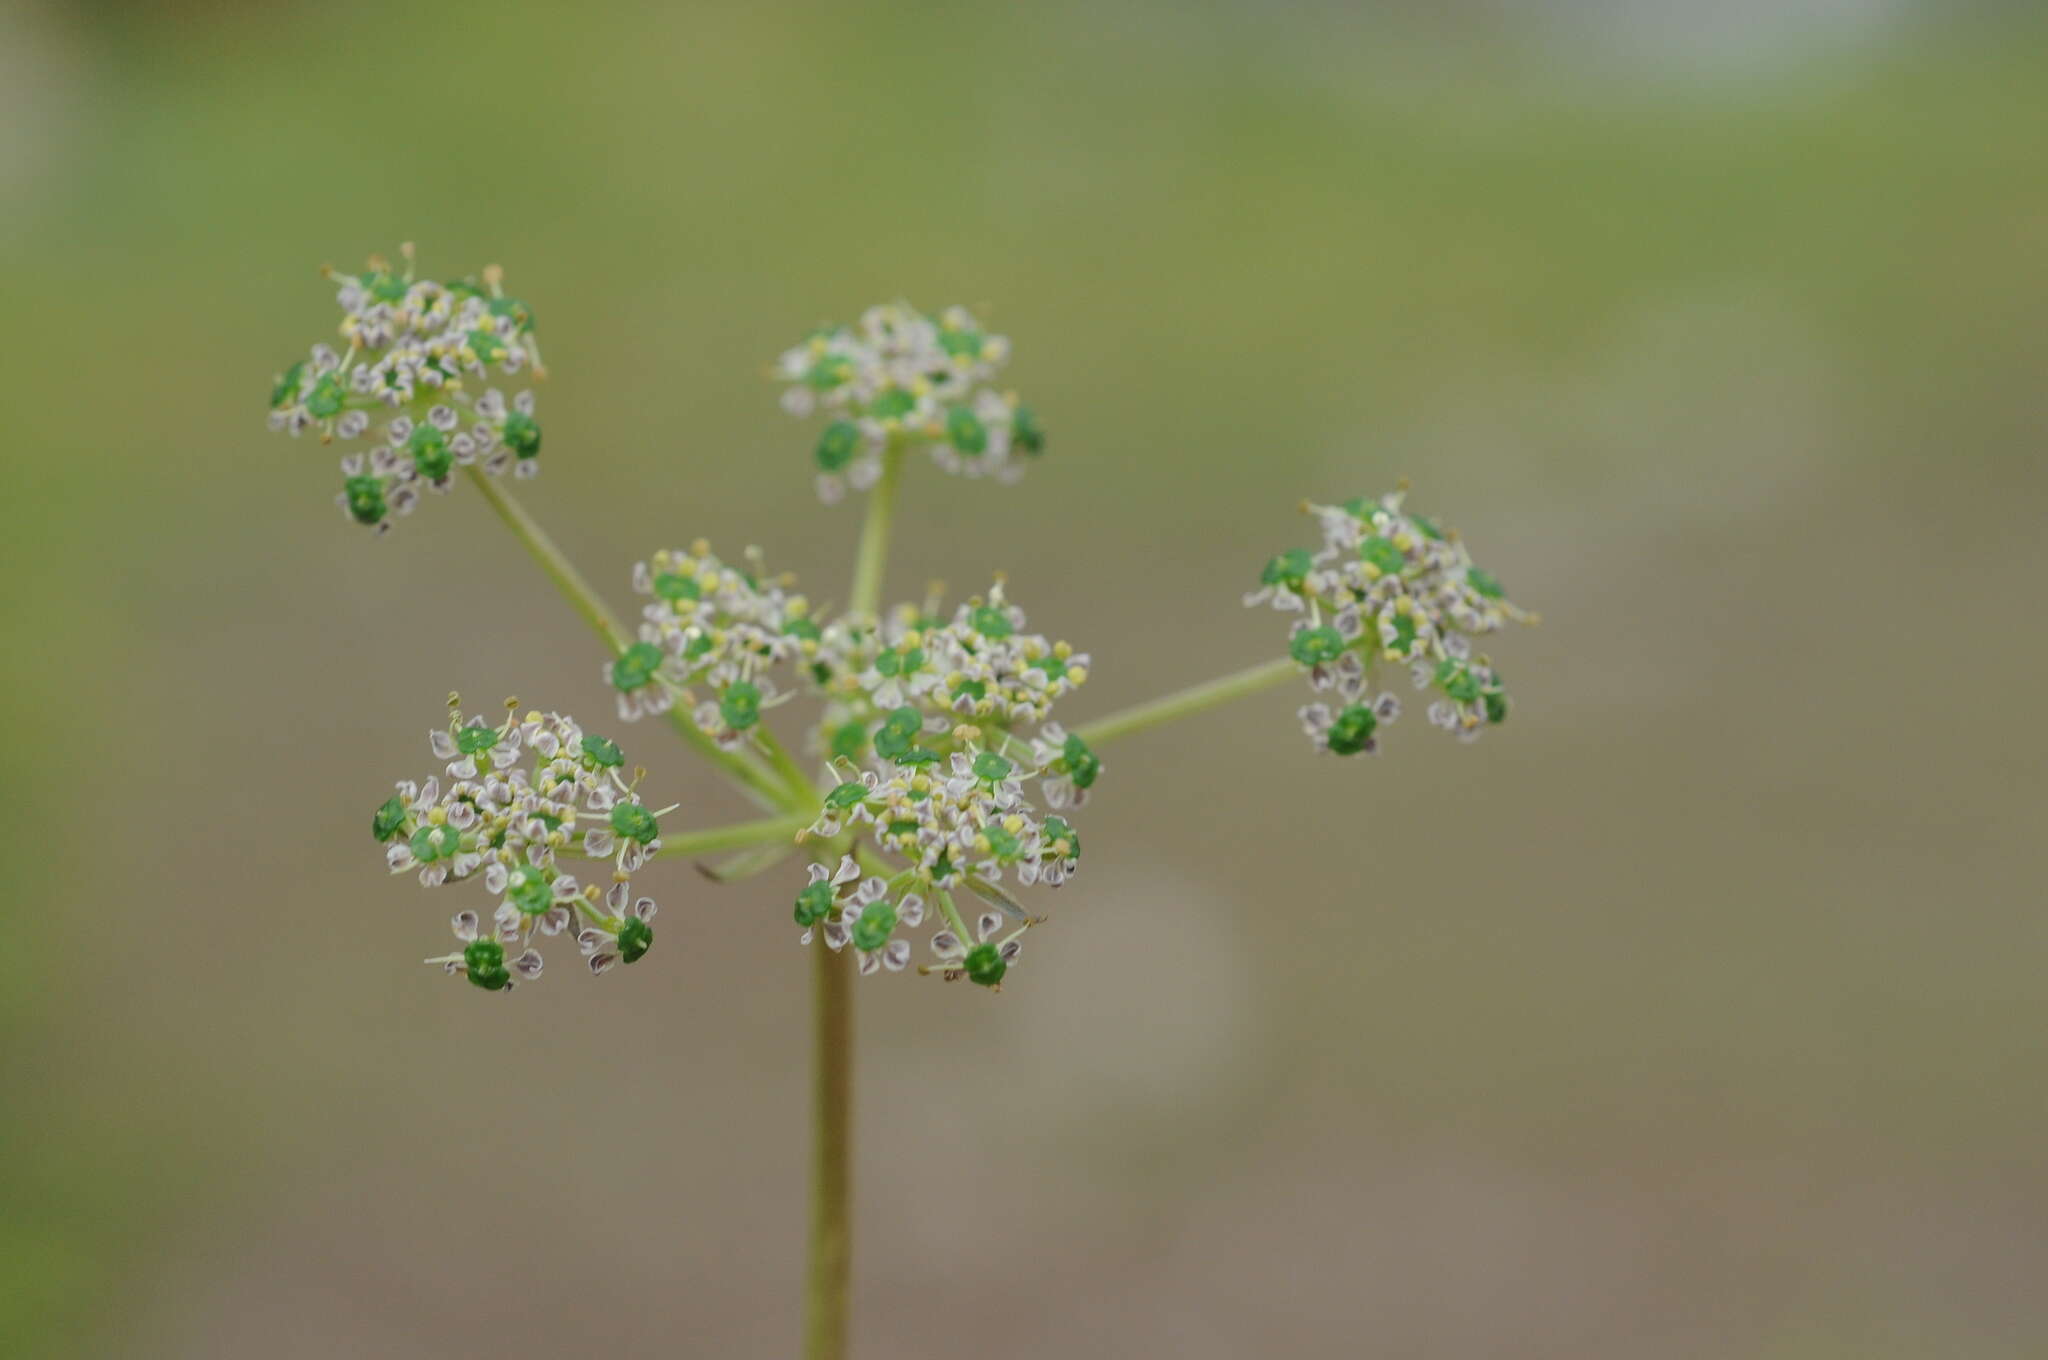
<point x="1698" y="1012"/>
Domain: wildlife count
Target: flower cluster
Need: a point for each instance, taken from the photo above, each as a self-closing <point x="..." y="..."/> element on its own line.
<point x="848" y="909"/>
<point x="936" y="785"/>
<point x="511" y="801"/>
<point x="713" y="624"/>
<point x="414" y="351"/>
<point x="900" y="378"/>
<point x="1388" y="585"/>
<point x="980" y="664"/>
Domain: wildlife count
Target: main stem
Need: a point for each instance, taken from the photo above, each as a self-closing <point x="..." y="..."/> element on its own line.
<point x="1194" y="699"/>
<point x="831" y="1156"/>
<point x="831" y="1264"/>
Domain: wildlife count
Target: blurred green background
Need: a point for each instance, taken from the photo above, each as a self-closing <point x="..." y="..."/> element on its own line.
<point x="1698" y="1012"/>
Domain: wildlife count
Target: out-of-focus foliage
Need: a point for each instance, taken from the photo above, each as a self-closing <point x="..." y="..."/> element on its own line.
<point x="1697" y="1012"/>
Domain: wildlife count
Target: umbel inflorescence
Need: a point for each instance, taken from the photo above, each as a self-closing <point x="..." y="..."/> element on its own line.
<point x="901" y="377"/>
<point x="522" y="807"/>
<point x="930" y="786"/>
<point x="932" y="726"/>
<point x="411" y="386"/>
<point x="1389" y="589"/>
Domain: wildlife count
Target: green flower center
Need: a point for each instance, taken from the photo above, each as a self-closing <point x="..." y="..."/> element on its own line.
<point x="846" y="795"/>
<point x="1025" y="431"/>
<point x="484" y="961"/>
<point x="389" y="817"/>
<point x="1379" y="551"/>
<point x="522" y="434"/>
<point x="1352" y="730"/>
<point x="877" y="922"/>
<point x="365" y="499"/>
<point x="673" y="586"/>
<point x="430" y="451"/>
<point x="1315" y="646"/>
<point x="1289" y="569"/>
<point x="432" y="843"/>
<point x="327" y="397"/>
<point x="893" y="404"/>
<point x="1457" y="680"/>
<point x="530" y="890"/>
<point x="965" y="432"/>
<point x="288" y="385"/>
<point x="636" y="666"/>
<point x="837" y="445"/>
<point x="985" y="965"/>
<point x="634" y="822"/>
<point x="814" y="904"/>
<point x="850" y="740"/>
<point x="1083" y="766"/>
<point x="636" y="937"/>
<point x="740" y="705"/>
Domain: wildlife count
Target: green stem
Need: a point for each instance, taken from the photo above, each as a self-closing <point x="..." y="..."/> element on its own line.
<point x="831" y="1155"/>
<point x="953" y="918"/>
<point x="734" y="837"/>
<point x="873" y="556"/>
<point x="801" y="787"/>
<point x="759" y="784"/>
<point x="832" y="1058"/>
<point x="1194" y="699"/>
<point x="559" y="568"/>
